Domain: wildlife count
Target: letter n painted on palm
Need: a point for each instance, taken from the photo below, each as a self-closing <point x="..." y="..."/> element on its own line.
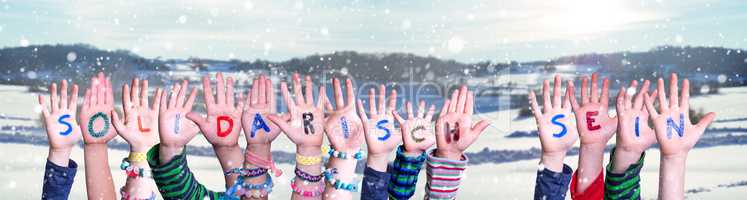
<point x="564" y="130"/>
<point x="679" y="129"/>
<point x="224" y="132"/>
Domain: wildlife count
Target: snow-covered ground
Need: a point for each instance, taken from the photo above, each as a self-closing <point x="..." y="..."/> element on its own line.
<point x="22" y="165"/>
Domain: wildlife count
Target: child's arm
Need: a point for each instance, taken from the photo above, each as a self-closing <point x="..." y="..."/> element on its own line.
<point x="455" y="132"/>
<point x="63" y="133"/>
<point x="676" y="135"/>
<point x="95" y="118"/>
<point x="634" y="136"/>
<point x="417" y="136"/>
<point x="344" y="131"/>
<point x="381" y="139"/>
<point x="140" y="130"/>
<point x="557" y="135"/>
<point x="304" y="125"/>
<point x="168" y="159"/>
<point x="222" y="125"/>
<point x="595" y="128"/>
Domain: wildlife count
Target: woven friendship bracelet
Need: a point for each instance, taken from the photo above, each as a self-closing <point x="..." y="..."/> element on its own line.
<point x="262" y="163"/>
<point x="342" y="155"/>
<point x="127" y="196"/>
<point x="308" y="177"/>
<point x="315" y="192"/>
<point x="134" y="171"/>
<point x="137" y="157"/>
<point x="308" y="160"/>
<point x="245" y="172"/>
<point x="336" y="183"/>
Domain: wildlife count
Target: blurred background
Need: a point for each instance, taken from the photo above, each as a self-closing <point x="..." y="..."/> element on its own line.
<point x="423" y="49"/>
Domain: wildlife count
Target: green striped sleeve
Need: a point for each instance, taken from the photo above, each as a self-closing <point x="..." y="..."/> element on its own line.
<point x="175" y="180"/>
<point x="625" y="185"/>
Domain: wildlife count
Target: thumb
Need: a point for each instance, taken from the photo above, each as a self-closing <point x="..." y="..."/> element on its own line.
<point x="118" y="123"/>
<point x="283" y="124"/>
<point x="705" y="121"/>
<point x="480" y="127"/>
<point x="196" y="118"/>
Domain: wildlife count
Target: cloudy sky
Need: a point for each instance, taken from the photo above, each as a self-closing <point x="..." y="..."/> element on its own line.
<point x="465" y="30"/>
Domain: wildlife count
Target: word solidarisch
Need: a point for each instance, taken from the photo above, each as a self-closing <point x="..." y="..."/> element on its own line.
<point x="91" y="122"/>
<point x="345" y="128"/>
<point x="418" y="128"/>
<point x="564" y="130"/>
<point x="381" y="125"/>
<point x="590" y="121"/>
<point x="259" y="123"/>
<point x="62" y="121"/>
<point x="224" y="132"/>
<point x="671" y="125"/>
<point x="308" y="128"/>
<point x="140" y="125"/>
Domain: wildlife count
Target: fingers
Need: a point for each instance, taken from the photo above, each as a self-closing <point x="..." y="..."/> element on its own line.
<point x="220" y="89"/>
<point x="157" y="100"/>
<point x="556" y="92"/>
<point x="74" y="98"/>
<point x="470" y="106"/>
<point x="398" y="118"/>
<point x="410" y="114"/>
<point x="674" y="96"/>
<point x="546" y="96"/>
<point x="144" y="93"/>
<point x="371" y="102"/>
<point x="126" y="94"/>
<point x="175" y="90"/>
<point x="63" y="95"/>
<point x="628" y="98"/>
<point x="100" y="87"/>
<point x="594" y="88"/>
<point x="663" y="105"/>
<point x="649" y="103"/>
<point x="162" y="102"/>
<point x="431" y="111"/>
<point x="620" y="103"/>
<point x="705" y="121"/>
<point x="638" y="102"/>
<point x="351" y="92"/>
<point x="571" y="95"/>
<point x="191" y="99"/>
<point x="270" y="95"/>
<point x="43" y="104"/>
<point x="584" y="90"/>
<point x="309" y="91"/>
<point x="196" y="118"/>
<point x="285" y="94"/>
<point x="361" y="110"/>
<point x="180" y="97"/>
<point x="54" y="99"/>
<point x="444" y="108"/>
<point x="207" y="91"/>
<point x="535" y="106"/>
<point x="453" y="100"/>
<point x="87" y="98"/>
<point x="283" y="124"/>
<point x="685" y="101"/>
<point x="339" y="102"/>
<point x="605" y="98"/>
<point x="262" y="98"/>
<point x="134" y="92"/>
<point x="118" y="123"/>
<point x="254" y="97"/>
<point x="462" y="102"/>
<point x="230" y="98"/>
<point x="478" y="128"/>
<point x="392" y="101"/>
<point x="382" y="96"/>
<point x="109" y="93"/>
<point x="321" y="100"/>
<point x="421" y="109"/>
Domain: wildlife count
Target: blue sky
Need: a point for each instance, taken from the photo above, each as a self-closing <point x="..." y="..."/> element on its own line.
<point x="465" y="30"/>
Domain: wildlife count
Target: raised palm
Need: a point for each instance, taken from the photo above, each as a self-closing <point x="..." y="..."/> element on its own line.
<point x="595" y="126"/>
<point x="454" y="129"/>
<point x="557" y="131"/>
<point x="139" y="125"/>
<point x="222" y="113"/>
<point x="175" y="129"/>
<point x="95" y="114"/>
<point x="674" y="130"/>
<point x="304" y="122"/>
<point x="343" y="126"/>
<point x="379" y="126"/>
<point x="62" y="127"/>
<point x="634" y="133"/>
<point x="259" y="104"/>
<point x="417" y="131"/>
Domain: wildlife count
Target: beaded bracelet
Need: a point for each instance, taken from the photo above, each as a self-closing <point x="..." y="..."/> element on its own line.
<point x="336" y="183"/>
<point x="126" y="196"/>
<point x="137" y="157"/>
<point x="308" y="160"/>
<point x="247" y="172"/>
<point x="241" y="188"/>
<point x="315" y="192"/>
<point x="342" y="155"/>
<point x="308" y="177"/>
<point x="134" y="171"/>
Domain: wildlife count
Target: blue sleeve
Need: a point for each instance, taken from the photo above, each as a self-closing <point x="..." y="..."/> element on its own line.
<point x="58" y="180"/>
<point x="552" y="185"/>
<point x="374" y="185"/>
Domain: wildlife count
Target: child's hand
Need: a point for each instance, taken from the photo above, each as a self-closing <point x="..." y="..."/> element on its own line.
<point x="222" y="125"/>
<point x="95" y="117"/>
<point x="557" y="131"/>
<point x="175" y="130"/>
<point x="595" y="126"/>
<point x="260" y="101"/>
<point x="634" y="135"/>
<point x="139" y="126"/>
<point x="381" y="138"/>
<point x="417" y="131"/>
<point x="62" y="128"/>
<point x="674" y="130"/>
<point x="454" y="129"/>
<point x="343" y="126"/>
<point x="303" y="123"/>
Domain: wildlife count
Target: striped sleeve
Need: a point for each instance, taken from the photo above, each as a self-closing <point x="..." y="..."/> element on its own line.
<point x="404" y="175"/>
<point x="175" y="180"/>
<point x="625" y="185"/>
<point x="444" y="176"/>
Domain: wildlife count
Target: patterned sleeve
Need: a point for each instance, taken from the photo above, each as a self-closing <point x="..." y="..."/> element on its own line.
<point x="58" y="180"/>
<point x="625" y="185"/>
<point x="444" y="176"/>
<point x="404" y="174"/>
<point x="551" y="185"/>
<point x="175" y="180"/>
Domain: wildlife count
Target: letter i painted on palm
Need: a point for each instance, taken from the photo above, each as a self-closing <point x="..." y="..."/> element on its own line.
<point x="344" y="126"/>
<point x="637" y="126"/>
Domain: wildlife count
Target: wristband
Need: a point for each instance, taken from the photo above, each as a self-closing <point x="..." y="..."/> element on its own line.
<point x="308" y="177"/>
<point x="126" y="196"/>
<point x="241" y="188"/>
<point x="247" y="172"/>
<point x="315" y="192"/>
<point x="308" y="160"/>
<point x="262" y="163"/>
<point x="336" y="183"/>
<point x="137" y="157"/>
<point x="134" y="171"/>
<point x="342" y="155"/>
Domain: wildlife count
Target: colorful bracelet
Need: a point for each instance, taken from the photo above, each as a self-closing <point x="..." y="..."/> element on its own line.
<point x="336" y="183"/>
<point x="317" y="191"/>
<point x="137" y="157"/>
<point x="134" y="171"/>
<point x="262" y="163"/>
<point x="126" y="196"/>
<point x="241" y="188"/>
<point x="247" y="172"/>
<point x="308" y="177"/>
<point x="342" y="155"/>
<point x="308" y="160"/>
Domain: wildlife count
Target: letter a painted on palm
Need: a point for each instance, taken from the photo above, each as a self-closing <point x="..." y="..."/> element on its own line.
<point x="259" y="123"/>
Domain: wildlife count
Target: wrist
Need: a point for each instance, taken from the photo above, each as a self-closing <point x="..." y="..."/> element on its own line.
<point x="261" y="150"/>
<point x="413" y="152"/>
<point x="60" y="157"/>
<point x="139" y="149"/>
<point x="377" y="162"/>
<point x="166" y="152"/>
<point x="553" y="161"/>
<point x="593" y="147"/>
<point x="309" y="150"/>
<point x="674" y="158"/>
<point x="451" y="155"/>
<point x="623" y="158"/>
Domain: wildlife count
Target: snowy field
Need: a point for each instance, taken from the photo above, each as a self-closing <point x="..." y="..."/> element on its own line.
<point x="707" y="168"/>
